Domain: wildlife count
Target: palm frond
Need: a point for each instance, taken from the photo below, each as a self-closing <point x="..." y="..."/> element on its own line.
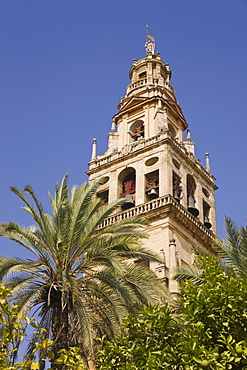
<point x="191" y="273"/>
<point x="10" y="266"/>
<point x="233" y="250"/>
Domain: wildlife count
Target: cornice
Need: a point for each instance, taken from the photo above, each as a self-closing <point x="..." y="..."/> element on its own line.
<point x="136" y="148"/>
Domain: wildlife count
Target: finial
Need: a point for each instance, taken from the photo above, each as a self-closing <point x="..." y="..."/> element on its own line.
<point x="113" y="126"/>
<point x="188" y="136"/>
<point x="207" y="162"/>
<point x="150" y="42"/>
<point x="94" y="148"/>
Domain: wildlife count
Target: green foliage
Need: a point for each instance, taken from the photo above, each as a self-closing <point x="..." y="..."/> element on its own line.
<point x="11" y="329"/>
<point x="215" y="319"/>
<point x="150" y="342"/>
<point x="208" y="330"/>
<point x="83" y="279"/>
<point x="12" y="332"/>
<point x="71" y="359"/>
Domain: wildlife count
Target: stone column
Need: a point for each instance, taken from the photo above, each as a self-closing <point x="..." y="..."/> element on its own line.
<point x="173" y="263"/>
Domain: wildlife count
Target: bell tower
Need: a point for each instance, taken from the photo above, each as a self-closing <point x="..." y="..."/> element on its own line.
<point x="152" y="165"/>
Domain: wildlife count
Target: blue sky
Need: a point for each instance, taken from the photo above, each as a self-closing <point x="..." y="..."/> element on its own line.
<point x="64" y="66"/>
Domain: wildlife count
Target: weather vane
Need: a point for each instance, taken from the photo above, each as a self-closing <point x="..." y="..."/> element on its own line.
<point x="150" y="42"/>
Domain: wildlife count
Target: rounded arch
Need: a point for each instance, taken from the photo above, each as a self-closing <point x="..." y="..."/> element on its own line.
<point x="191" y="185"/>
<point x="191" y="201"/>
<point x="172" y="130"/>
<point x="137" y="130"/>
<point x="127" y="186"/>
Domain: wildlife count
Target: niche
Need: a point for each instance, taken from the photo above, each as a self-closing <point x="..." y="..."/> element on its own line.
<point x="151" y="161"/>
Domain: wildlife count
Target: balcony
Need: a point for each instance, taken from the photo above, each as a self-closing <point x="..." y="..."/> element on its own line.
<point x="149" y="81"/>
<point x="158" y="205"/>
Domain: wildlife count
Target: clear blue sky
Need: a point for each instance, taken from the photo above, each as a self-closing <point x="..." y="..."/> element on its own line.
<point x="64" y="66"/>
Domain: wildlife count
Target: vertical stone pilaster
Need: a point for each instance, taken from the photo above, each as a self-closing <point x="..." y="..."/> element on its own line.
<point x="173" y="263"/>
<point x="140" y="186"/>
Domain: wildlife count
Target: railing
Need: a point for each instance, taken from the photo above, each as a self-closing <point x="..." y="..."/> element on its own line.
<point x="137" y="211"/>
<point x="155" y="204"/>
<point x="137" y="83"/>
<point x="149" y="81"/>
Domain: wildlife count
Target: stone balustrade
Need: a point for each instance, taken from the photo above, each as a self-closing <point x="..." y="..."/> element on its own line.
<point x="149" y="81"/>
<point x="155" y="204"/>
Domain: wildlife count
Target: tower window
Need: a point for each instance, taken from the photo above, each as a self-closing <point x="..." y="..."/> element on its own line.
<point x="172" y="130"/>
<point x="206" y="215"/>
<point x="143" y="75"/>
<point x="205" y="192"/>
<point x="142" y="263"/>
<point x="191" y="187"/>
<point x="127" y="187"/>
<point x="152" y="185"/>
<point x="104" y="195"/>
<point x="137" y="130"/>
<point x="177" y="188"/>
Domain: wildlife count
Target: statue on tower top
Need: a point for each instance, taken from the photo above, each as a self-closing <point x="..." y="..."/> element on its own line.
<point x="150" y="42"/>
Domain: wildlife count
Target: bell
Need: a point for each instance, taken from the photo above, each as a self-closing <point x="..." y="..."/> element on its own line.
<point x="191" y="202"/>
<point x="207" y="224"/>
<point x="128" y="202"/>
<point x="176" y="196"/>
<point x="191" y="206"/>
<point x="194" y="211"/>
<point x="153" y="194"/>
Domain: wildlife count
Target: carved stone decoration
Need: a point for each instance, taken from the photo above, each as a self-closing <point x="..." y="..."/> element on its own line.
<point x="150" y="47"/>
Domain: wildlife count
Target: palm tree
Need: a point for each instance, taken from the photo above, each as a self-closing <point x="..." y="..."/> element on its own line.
<point x="83" y="279"/>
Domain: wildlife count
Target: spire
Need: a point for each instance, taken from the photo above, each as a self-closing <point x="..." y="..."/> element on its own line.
<point x="189" y="145"/>
<point x="113" y="125"/>
<point x="94" y="148"/>
<point x="188" y="136"/>
<point x="207" y="162"/>
<point x="150" y="43"/>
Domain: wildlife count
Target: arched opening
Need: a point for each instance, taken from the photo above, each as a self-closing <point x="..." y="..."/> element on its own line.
<point x="104" y="195"/>
<point x="172" y="130"/>
<point x="177" y="188"/>
<point x="191" y="187"/>
<point x="142" y="75"/>
<point x="127" y="187"/>
<point x="152" y="185"/>
<point x="206" y="215"/>
<point x="137" y="131"/>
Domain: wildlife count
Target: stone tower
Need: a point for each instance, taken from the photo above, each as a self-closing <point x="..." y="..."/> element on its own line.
<point x="152" y="165"/>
